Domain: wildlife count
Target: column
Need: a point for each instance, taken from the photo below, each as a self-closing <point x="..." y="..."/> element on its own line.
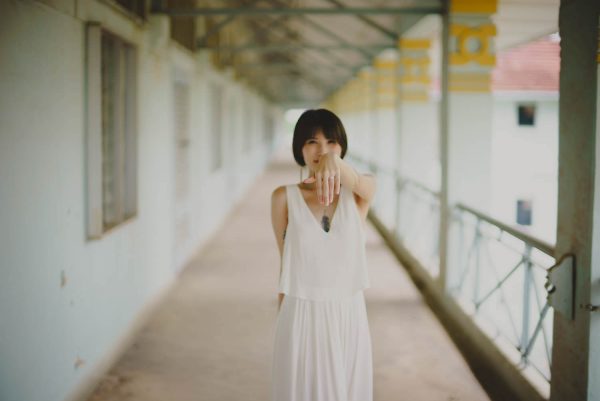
<point x="466" y="116"/>
<point x="576" y="342"/>
<point x="418" y="125"/>
<point x="471" y="60"/>
<point x="365" y="99"/>
<point x="386" y="70"/>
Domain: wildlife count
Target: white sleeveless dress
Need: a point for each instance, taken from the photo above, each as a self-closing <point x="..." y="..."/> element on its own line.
<point x="322" y="342"/>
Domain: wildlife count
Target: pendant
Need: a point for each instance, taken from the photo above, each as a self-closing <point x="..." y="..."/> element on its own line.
<point x="325" y="223"/>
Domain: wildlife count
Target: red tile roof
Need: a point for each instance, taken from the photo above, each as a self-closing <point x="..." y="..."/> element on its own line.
<point x="533" y="66"/>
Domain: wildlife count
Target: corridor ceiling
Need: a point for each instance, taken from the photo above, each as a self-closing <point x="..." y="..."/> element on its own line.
<point x="297" y="52"/>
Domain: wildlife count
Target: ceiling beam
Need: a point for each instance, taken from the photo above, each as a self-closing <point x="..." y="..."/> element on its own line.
<point x="258" y="47"/>
<point x="368" y="21"/>
<point x="325" y="30"/>
<point x="220" y="25"/>
<point x="300" y="11"/>
<point x="215" y="29"/>
<point x="332" y="60"/>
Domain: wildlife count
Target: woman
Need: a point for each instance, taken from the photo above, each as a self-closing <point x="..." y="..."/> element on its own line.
<point x="322" y="348"/>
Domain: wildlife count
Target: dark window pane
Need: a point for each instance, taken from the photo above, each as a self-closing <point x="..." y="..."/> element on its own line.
<point x="524" y="212"/>
<point x="526" y="115"/>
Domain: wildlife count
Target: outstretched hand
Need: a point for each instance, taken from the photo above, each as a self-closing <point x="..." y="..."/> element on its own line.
<point x="327" y="177"/>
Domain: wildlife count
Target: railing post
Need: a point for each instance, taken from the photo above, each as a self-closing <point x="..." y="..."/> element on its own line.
<point x="377" y="200"/>
<point x="397" y="231"/>
<point x="460" y="262"/>
<point x="445" y="210"/>
<point x="527" y="278"/>
<point x="477" y="250"/>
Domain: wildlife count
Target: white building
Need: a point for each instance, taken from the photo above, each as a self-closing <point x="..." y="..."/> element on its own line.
<point x="525" y="135"/>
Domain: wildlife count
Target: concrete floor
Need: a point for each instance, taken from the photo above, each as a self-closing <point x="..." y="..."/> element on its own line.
<point x="211" y="340"/>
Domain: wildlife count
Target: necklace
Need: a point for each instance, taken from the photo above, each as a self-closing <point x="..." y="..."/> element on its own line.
<point x="325" y="221"/>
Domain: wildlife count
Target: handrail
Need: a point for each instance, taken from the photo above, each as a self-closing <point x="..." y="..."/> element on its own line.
<point x="422" y="187"/>
<point x="543" y="246"/>
<point x="472" y="269"/>
<point x="391" y="171"/>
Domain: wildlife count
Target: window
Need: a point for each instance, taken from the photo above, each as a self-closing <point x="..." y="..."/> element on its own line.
<point x="526" y="114"/>
<point x="524" y="209"/>
<point x="111" y="156"/>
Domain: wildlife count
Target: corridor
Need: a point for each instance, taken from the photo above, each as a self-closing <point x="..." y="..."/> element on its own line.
<point x="142" y="141"/>
<point x="211" y="339"/>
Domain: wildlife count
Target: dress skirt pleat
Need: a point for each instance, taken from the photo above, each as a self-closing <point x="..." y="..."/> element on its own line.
<point x="322" y="351"/>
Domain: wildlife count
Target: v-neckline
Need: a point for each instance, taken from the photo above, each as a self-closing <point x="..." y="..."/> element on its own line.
<point x="312" y="216"/>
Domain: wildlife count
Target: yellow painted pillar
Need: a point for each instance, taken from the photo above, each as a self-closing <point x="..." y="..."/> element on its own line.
<point x="418" y="122"/>
<point x="471" y="60"/>
<point x="414" y="71"/>
<point x="418" y="131"/>
<point x="386" y="70"/>
<point x="386" y="132"/>
<point x="466" y="124"/>
<point x="365" y="103"/>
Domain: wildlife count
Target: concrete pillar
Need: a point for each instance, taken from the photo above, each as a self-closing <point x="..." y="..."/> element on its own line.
<point x="369" y="120"/>
<point x="594" y="387"/>
<point x="386" y="69"/>
<point x="418" y="131"/>
<point x="471" y="60"/>
<point x="466" y="115"/>
<point x="365" y="99"/>
<point x="385" y="86"/>
<point x="576" y="342"/>
<point x="418" y="149"/>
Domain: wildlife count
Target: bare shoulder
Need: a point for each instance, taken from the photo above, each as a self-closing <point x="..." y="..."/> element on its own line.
<point x="279" y="215"/>
<point x="279" y="195"/>
<point x="279" y="199"/>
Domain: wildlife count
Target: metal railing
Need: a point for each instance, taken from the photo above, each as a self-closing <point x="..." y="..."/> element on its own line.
<point x="496" y="272"/>
<point x="409" y="210"/>
<point x="498" y="276"/>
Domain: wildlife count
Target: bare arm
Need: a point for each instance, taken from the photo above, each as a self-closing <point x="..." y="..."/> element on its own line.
<point x="362" y="185"/>
<point x="279" y="220"/>
<point x="331" y="164"/>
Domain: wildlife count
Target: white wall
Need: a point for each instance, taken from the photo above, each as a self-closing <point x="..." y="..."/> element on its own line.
<point x="55" y="340"/>
<point x="525" y="161"/>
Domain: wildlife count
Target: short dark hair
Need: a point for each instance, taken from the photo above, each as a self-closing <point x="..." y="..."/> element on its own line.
<point x="312" y="121"/>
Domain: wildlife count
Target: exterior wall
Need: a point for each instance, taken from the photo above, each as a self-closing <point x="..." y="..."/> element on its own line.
<point x="68" y="304"/>
<point x="525" y="161"/>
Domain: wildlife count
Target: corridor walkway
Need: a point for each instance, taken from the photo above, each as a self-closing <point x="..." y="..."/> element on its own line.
<point x="211" y="340"/>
